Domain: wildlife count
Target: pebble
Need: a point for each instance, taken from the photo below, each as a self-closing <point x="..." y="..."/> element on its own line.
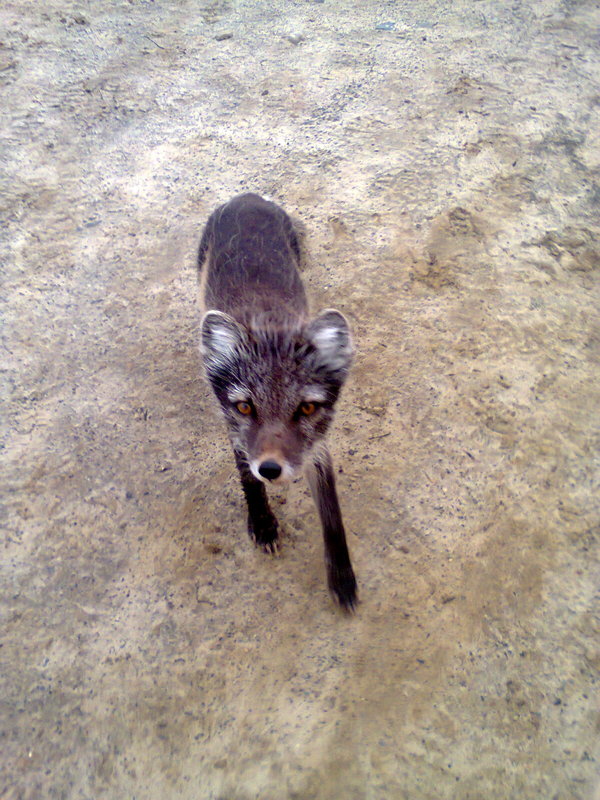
<point x="220" y="37"/>
<point x="295" y="38"/>
<point x="385" y="26"/>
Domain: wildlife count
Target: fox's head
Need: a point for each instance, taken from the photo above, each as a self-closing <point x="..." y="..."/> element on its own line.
<point x="277" y="387"/>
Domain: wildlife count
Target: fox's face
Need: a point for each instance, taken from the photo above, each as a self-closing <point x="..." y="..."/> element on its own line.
<point x="277" y="388"/>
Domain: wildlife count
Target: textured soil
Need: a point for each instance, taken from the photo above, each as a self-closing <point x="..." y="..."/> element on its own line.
<point x="444" y="158"/>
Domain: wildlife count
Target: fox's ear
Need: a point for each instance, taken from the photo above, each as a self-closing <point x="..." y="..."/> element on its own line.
<point x="221" y="338"/>
<point x="330" y="334"/>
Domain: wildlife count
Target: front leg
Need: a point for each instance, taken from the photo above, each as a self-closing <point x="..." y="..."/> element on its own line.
<point x="340" y="575"/>
<point x="262" y="525"/>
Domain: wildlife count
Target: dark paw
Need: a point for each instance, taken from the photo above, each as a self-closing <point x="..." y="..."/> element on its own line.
<point x="342" y="585"/>
<point x="264" y="533"/>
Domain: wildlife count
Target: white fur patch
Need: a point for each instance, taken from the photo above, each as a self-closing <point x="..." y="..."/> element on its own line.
<point x="330" y="334"/>
<point x="223" y="341"/>
<point x="238" y="394"/>
<point x="327" y="338"/>
<point x="221" y="336"/>
<point x="314" y="394"/>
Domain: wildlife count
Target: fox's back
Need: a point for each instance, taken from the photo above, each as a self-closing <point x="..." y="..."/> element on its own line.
<point x="249" y="256"/>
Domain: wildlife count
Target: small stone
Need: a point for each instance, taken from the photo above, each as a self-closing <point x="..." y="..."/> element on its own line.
<point x="385" y="26"/>
<point x="220" y="37"/>
<point x="8" y="64"/>
<point x="568" y="261"/>
<point x="295" y="38"/>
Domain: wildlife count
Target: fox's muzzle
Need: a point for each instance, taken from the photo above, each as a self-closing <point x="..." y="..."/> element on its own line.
<point x="273" y="468"/>
<point x="269" y="469"/>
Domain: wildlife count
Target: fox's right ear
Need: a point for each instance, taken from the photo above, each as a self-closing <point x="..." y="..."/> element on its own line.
<point x="221" y="338"/>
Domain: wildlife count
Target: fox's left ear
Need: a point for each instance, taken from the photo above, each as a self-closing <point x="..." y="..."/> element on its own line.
<point x="330" y="334"/>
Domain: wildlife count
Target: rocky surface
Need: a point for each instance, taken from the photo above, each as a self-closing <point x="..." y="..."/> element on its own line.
<point x="444" y="159"/>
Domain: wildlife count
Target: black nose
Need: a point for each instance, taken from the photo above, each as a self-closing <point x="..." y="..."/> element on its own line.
<point x="270" y="470"/>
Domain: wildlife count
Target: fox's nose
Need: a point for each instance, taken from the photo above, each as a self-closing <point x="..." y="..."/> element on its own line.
<point x="270" y="470"/>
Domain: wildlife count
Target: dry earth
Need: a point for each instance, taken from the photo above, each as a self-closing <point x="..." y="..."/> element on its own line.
<point x="446" y="168"/>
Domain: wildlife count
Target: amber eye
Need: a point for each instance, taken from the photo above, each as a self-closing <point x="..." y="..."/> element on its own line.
<point x="306" y="409"/>
<point x="244" y="408"/>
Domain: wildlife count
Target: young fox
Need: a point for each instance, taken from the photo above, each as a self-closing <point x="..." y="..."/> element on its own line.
<point x="276" y="373"/>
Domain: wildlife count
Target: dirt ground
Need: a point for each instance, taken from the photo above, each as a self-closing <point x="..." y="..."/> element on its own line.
<point x="444" y="158"/>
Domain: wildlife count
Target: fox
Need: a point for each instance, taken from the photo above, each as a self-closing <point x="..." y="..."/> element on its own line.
<point x="276" y="372"/>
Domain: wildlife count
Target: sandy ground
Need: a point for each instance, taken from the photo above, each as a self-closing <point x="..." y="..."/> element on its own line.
<point x="445" y="169"/>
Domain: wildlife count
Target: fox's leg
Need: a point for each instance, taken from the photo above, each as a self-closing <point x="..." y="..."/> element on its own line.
<point x="262" y="525"/>
<point x="340" y="575"/>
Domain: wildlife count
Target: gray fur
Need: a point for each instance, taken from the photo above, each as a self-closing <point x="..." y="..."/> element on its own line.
<point x="276" y="373"/>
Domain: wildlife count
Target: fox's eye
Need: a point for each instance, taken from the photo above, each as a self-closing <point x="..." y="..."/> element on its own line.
<point x="244" y="408"/>
<point x="306" y="409"/>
